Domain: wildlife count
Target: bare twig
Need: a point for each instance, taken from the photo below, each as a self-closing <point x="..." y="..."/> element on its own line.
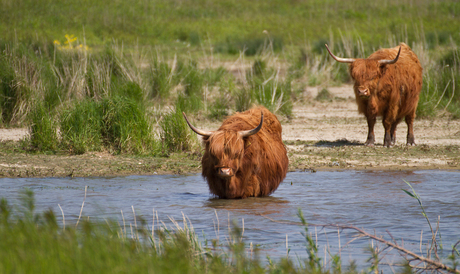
<point x="454" y="248"/>
<point x="412" y="257"/>
<point x="436" y="264"/>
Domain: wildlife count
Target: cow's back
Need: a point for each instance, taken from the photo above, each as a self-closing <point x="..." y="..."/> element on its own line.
<point x="401" y="82"/>
<point x="405" y="78"/>
<point x="407" y="70"/>
<point x="251" y="118"/>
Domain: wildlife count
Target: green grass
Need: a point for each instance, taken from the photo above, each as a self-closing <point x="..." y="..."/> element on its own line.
<point x="175" y="133"/>
<point x="33" y="242"/>
<point x="441" y="93"/>
<point x="125" y="127"/>
<point x="43" y="129"/>
<point x="81" y="127"/>
<point x="37" y="243"/>
<point x="160" y="54"/>
<point x="232" y="24"/>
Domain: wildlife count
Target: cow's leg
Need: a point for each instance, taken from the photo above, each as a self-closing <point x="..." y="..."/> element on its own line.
<point x="370" y="135"/>
<point x="410" y="129"/>
<point x="387" y="125"/>
<point x="252" y="187"/>
<point x="393" y="132"/>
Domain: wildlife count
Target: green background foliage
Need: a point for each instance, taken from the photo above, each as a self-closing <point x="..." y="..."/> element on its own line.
<point x="126" y="63"/>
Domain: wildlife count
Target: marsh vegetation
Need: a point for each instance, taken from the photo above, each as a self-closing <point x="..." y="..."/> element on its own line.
<point x="117" y="83"/>
<point x="105" y="82"/>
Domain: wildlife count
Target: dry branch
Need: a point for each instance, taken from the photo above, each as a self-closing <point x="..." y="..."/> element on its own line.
<point x="431" y="264"/>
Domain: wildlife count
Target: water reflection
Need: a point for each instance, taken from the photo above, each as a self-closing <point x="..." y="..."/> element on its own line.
<point x="250" y="206"/>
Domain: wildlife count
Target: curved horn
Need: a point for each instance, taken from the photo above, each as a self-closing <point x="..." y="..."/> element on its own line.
<point x="338" y="59"/>
<point x="389" y="62"/>
<point x="246" y="133"/>
<point x="197" y="131"/>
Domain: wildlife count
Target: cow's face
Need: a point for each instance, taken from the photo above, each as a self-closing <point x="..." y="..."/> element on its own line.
<point x="226" y="148"/>
<point x="366" y="74"/>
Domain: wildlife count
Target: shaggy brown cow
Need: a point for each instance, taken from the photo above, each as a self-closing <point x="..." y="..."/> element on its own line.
<point x="245" y="157"/>
<point x="387" y="84"/>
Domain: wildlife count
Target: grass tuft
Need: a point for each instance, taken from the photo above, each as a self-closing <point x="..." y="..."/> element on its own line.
<point x="175" y="133"/>
<point x="125" y="127"/>
<point x="43" y="129"/>
<point x="81" y="127"/>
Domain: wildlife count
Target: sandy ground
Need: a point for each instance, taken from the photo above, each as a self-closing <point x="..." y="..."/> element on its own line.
<point x="320" y="135"/>
<point x="12" y="134"/>
<point x="339" y="119"/>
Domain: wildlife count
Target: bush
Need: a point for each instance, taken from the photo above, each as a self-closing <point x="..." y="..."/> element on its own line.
<point x="81" y="127"/>
<point x="441" y="90"/>
<point x="219" y="108"/>
<point x="250" y="46"/>
<point x="20" y="84"/>
<point x="162" y="79"/>
<point x="175" y="133"/>
<point x="124" y="126"/>
<point x="43" y="129"/>
<point x="269" y="90"/>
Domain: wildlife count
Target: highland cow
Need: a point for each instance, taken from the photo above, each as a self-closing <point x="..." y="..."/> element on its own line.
<point x="387" y="84"/>
<point x="245" y="157"/>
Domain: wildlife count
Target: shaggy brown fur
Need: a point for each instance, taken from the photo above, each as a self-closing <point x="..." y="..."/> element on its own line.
<point x="392" y="91"/>
<point x="258" y="163"/>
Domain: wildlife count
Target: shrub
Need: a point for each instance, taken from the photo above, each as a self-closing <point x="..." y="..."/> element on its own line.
<point x="20" y="84"/>
<point x="324" y="95"/>
<point x="163" y="79"/>
<point x="81" y="127"/>
<point x="175" y="133"/>
<point x="269" y="90"/>
<point x="250" y="46"/>
<point x="43" y="129"/>
<point x="243" y="98"/>
<point x="219" y="108"/>
<point x="124" y="126"/>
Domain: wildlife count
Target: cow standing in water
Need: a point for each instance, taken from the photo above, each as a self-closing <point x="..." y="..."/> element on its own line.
<point x="387" y="84"/>
<point x="245" y="157"/>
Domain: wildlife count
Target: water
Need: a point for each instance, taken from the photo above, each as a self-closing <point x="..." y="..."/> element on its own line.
<point x="372" y="200"/>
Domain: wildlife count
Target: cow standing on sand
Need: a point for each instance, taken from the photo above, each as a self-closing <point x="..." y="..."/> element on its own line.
<point x="245" y="157"/>
<point x="387" y="84"/>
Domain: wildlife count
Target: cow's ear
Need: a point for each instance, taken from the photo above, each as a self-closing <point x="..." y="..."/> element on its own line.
<point x="383" y="68"/>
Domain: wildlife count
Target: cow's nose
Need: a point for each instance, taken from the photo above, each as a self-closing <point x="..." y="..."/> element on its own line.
<point x="363" y="91"/>
<point x="225" y="172"/>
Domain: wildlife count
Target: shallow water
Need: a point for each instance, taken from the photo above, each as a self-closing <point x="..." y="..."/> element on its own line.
<point x="372" y="200"/>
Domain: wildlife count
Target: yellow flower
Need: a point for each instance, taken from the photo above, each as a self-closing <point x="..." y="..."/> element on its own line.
<point x="68" y="43"/>
<point x="70" y="39"/>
